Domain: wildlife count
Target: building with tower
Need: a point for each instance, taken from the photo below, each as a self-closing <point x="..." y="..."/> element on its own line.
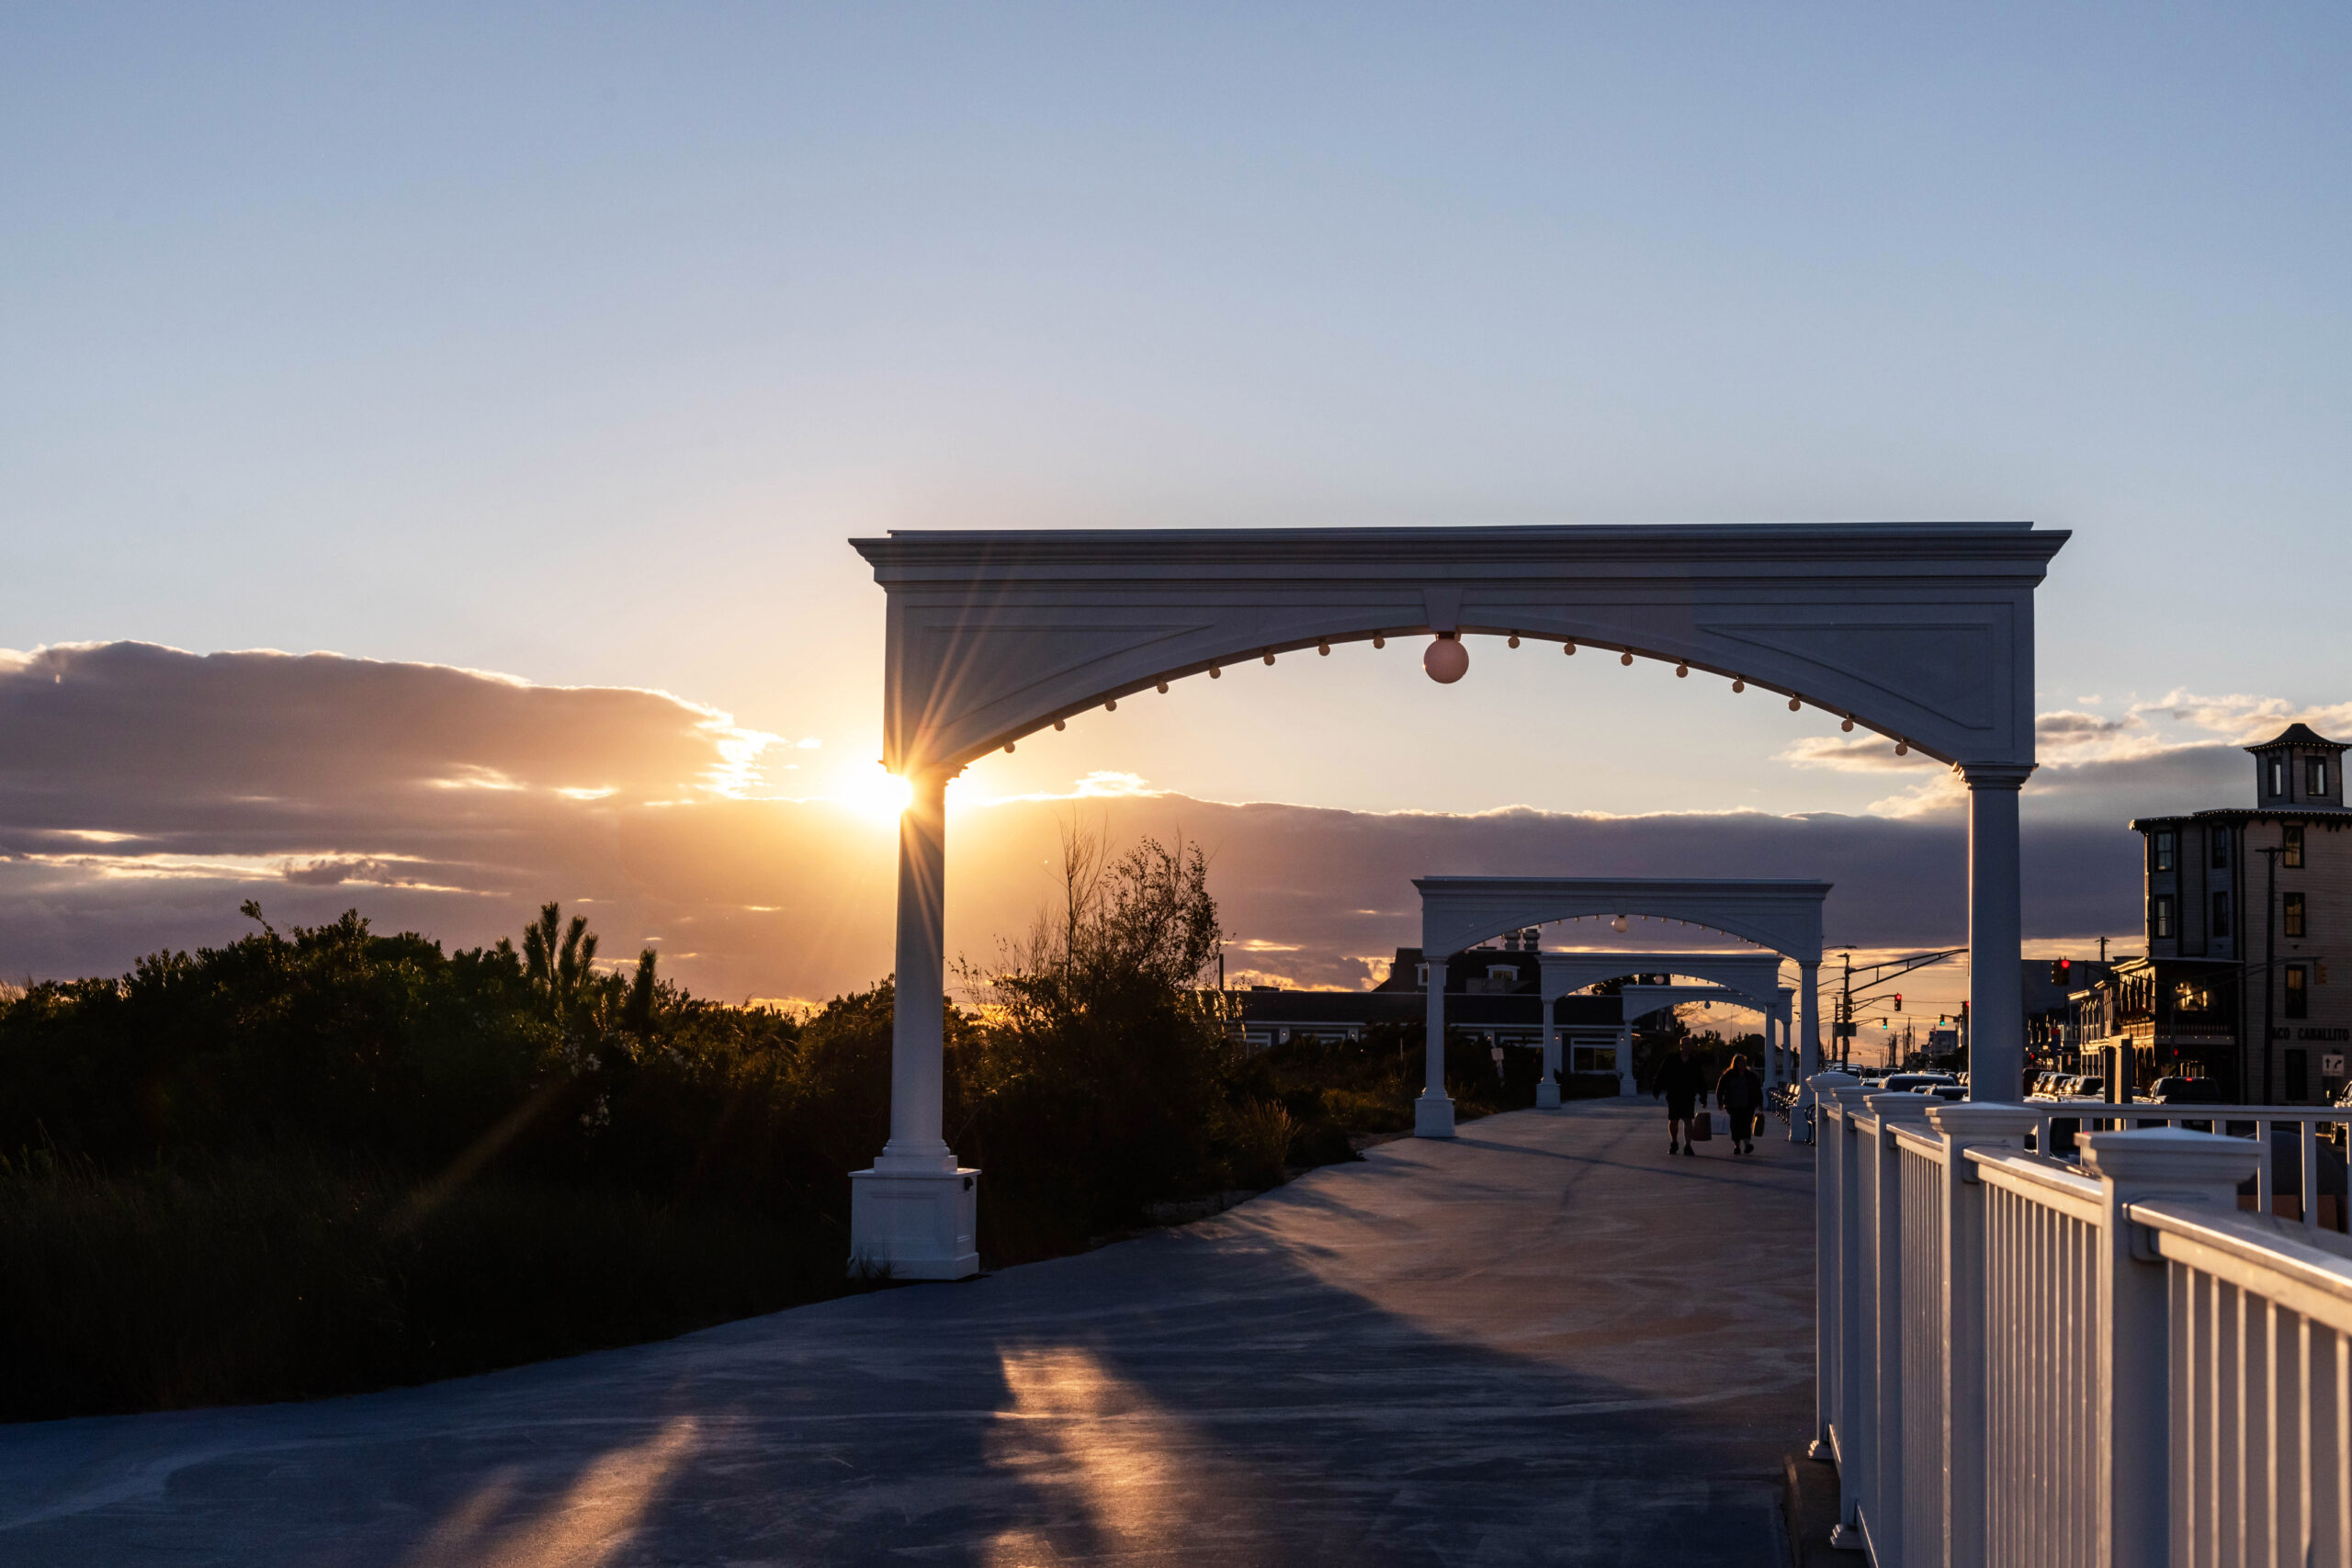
<point x="2245" y="907"/>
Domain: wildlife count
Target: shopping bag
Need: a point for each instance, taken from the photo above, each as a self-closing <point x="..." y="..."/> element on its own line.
<point x="1702" y="1126"/>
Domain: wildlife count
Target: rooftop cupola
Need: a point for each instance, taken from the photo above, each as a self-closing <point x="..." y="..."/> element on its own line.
<point x="2298" y="769"/>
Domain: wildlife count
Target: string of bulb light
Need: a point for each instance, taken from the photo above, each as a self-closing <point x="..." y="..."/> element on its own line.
<point x="1447" y="660"/>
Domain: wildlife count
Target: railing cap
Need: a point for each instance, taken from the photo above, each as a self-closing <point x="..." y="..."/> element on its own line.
<point x="2171" y="1154"/>
<point x="1852" y="1094"/>
<point x="1831" y="1079"/>
<point x="1978" y="1121"/>
<point x="1895" y="1105"/>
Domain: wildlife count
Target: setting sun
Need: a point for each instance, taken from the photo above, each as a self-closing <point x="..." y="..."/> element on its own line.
<point x="873" y="793"/>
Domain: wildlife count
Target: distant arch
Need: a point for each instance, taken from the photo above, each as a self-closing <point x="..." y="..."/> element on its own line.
<point x="1781" y="916"/>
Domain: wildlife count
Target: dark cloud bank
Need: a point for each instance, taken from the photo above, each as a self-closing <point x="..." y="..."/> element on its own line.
<point x="144" y="793"/>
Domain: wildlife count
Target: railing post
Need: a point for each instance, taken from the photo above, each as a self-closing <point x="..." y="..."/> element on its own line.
<point x="1964" y="1126"/>
<point x="2134" y="1330"/>
<point x="1855" y="1405"/>
<point x="1828" y="1224"/>
<point x="1882" y="1161"/>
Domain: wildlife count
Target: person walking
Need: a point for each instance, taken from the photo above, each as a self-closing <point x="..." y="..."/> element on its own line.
<point x="1741" y="1094"/>
<point x="1681" y="1082"/>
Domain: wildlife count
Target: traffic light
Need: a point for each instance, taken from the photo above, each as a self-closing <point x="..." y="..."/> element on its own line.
<point x="1898" y="1001"/>
<point x="2062" y="971"/>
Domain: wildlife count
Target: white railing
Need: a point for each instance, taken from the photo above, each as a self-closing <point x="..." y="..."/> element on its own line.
<point x="2026" y="1361"/>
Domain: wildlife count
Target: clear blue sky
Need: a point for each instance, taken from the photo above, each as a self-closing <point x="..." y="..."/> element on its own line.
<point x="571" y="341"/>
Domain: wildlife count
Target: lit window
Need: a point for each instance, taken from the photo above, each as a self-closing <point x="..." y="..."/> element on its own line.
<point x="2278" y="777"/>
<point x="2291" y="839"/>
<point x="2299" y="1000"/>
<point x="2160" y="915"/>
<point x="2221" y="914"/>
<point x="2291" y="922"/>
<point x="2164" y="850"/>
<point x="2316" y="775"/>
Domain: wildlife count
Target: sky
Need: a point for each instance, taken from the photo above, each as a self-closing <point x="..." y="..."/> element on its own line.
<point x="570" y="345"/>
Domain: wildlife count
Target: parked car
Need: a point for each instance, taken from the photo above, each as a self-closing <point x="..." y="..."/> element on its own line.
<point x="1904" y="1083"/>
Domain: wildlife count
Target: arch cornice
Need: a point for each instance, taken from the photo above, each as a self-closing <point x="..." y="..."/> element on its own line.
<point x="1784" y="915"/>
<point x="1753" y="976"/>
<point x="1921" y="631"/>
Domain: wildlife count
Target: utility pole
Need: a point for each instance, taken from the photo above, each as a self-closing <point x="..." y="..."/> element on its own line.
<point x="2269" y="958"/>
<point x="1845" y="1014"/>
<point x="2102" y="949"/>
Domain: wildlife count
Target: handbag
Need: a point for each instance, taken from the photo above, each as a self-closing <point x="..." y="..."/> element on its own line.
<point x="1702" y="1125"/>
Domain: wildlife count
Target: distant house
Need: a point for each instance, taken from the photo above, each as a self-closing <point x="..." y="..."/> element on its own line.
<point x="1491" y="992"/>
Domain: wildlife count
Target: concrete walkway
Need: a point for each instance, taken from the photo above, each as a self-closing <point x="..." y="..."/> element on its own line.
<point x="1546" y="1342"/>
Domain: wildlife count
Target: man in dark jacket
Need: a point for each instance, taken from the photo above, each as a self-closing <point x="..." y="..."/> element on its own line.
<point x="1681" y="1082"/>
<point x="1741" y="1094"/>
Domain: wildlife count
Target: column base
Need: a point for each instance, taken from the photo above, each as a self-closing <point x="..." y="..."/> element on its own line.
<point x="914" y="1225"/>
<point x="1433" y="1117"/>
<point x="1547" y="1095"/>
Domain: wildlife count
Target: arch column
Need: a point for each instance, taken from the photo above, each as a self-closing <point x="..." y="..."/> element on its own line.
<point x="914" y="1214"/>
<point x="1433" y="1111"/>
<point x="1995" y="932"/>
<point x="1547" y="1088"/>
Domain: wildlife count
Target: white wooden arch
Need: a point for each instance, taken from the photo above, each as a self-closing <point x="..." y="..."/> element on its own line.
<point x="1922" y="632"/>
<point x="1781" y="916"/>
<point x="1743" y="979"/>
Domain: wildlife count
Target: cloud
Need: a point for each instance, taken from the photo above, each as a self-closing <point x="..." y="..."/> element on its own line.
<point x="144" y="793"/>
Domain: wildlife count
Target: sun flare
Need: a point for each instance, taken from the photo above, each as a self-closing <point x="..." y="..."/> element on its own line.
<point x="871" y="793"/>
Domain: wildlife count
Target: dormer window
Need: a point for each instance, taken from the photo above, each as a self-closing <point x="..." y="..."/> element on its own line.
<point x="2315" y="776"/>
<point x="2278" y="777"/>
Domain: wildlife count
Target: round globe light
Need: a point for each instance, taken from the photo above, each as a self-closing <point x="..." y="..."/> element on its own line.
<point x="1445" y="659"/>
<point x="1618" y="924"/>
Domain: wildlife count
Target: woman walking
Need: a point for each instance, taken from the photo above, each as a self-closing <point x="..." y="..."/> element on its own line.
<point x="1741" y="1094"/>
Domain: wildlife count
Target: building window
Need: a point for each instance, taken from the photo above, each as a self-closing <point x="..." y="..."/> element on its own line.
<point x="2160" y="917"/>
<point x="2298" y="1075"/>
<point x="2221" y="841"/>
<point x="2164" y="850"/>
<point x="2299" y="996"/>
<point x="2314" y="775"/>
<point x="1421" y="975"/>
<point x="2290" y="842"/>
<point x="2221" y="914"/>
<point x="2290" y="919"/>
<point x="2278" y="777"/>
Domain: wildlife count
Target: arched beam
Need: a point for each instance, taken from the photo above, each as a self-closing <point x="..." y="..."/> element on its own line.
<point x="1784" y="915"/>
<point x="1920" y="631"/>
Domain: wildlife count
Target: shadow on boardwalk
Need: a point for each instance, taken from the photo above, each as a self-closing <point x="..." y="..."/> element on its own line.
<point x="1546" y="1342"/>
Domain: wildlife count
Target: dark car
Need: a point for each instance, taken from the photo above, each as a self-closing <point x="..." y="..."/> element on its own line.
<point x="2188" y="1091"/>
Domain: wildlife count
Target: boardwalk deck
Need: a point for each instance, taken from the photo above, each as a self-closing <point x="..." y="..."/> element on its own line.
<point x="1543" y="1342"/>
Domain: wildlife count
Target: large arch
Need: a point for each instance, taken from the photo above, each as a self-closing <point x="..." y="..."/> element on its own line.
<point x="1779" y="915"/>
<point x="1922" y="632"/>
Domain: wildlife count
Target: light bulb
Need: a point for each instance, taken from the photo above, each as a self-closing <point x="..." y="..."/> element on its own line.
<point x="1380" y="642"/>
<point x="1008" y="748"/>
<point x="1324" y="648"/>
<point x="1057" y="724"/>
<point x="1625" y="658"/>
<point x="1216" y="674"/>
<point x="1739" y="686"/>
<point x="1683" y="672"/>
<point x="1163" y="688"/>
<point x="1446" y="659"/>
<point x="1618" y="924"/>
<point x="1848" y="725"/>
<point x="1270" y="656"/>
<point x="1111" y="706"/>
<point x="1569" y="648"/>
<point x="1514" y="640"/>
